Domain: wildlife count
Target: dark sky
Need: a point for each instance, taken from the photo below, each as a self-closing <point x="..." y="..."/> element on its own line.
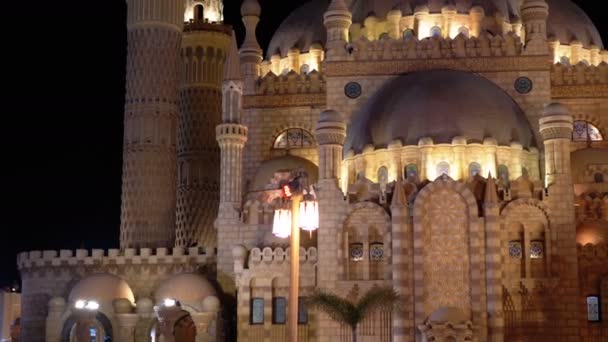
<point x="63" y="82"/>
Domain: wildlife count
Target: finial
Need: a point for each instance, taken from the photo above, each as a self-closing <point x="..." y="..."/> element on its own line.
<point x="490" y="197"/>
<point x="399" y="197"/>
<point x="232" y="68"/>
<point x="337" y="5"/>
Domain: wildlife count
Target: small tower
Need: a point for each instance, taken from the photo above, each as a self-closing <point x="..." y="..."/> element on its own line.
<point x="203" y="54"/>
<point x="330" y="133"/>
<point x="231" y="136"/>
<point x="251" y="53"/>
<point x="534" y="14"/>
<point x="337" y="20"/>
<point x="556" y="130"/>
<point x="151" y="111"/>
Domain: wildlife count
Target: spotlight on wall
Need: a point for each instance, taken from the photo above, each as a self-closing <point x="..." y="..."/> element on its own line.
<point x="169" y="302"/>
<point x="80" y="304"/>
<point x="90" y="305"/>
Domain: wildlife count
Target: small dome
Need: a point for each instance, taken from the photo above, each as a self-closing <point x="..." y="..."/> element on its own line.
<point x="187" y="288"/>
<point x="330" y="116"/>
<point x="555" y="109"/>
<point x="301" y="29"/>
<point x="439" y="105"/>
<point x="444" y="315"/>
<point x="103" y="288"/>
<point x="592" y="232"/>
<point x="144" y="305"/>
<point x="251" y="7"/>
<point x="266" y="171"/>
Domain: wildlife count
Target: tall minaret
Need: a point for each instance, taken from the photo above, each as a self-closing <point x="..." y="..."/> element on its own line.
<point x="231" y="136"/>
<point x="337" y="20"/>
<point x="251" y="53"/>
<point x="534" y="15"/>
<point x="151" y="109"/>
<point x="203" y="54"/>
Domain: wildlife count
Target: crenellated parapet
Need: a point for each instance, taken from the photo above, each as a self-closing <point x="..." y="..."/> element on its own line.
<point x="268" y="257"/>
<point x="98" y="257"/>
<point x="580" y="80"/>
<point x="437" y="47"/>
<point x="292" y="83"/>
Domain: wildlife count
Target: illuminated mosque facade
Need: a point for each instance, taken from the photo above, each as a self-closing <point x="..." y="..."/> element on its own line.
<point x="456" y="149"/>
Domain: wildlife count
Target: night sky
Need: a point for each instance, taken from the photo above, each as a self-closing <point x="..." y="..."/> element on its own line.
<point x="64" y="66"/>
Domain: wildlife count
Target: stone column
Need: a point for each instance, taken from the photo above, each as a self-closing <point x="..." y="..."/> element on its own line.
<point x="476" y="14"/>
<point x="251" y="53"/>
<point x="53" y="320"/>
<point x="496" y="324"/>
<point x="330" y="133"/>
<point x="394" y="19"/>
<point x="575" y="52"/>
<point x="402" y="264"/>
<point x="127" y="324"/>
<point x="449" y="12"/>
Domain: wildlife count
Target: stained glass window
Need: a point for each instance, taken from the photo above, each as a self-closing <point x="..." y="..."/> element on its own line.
<point x="537" y="249"/>
<point x="411" y="173"/>
<point x="503" y="175"/>
<point x="585" y="131"/>
<point x="515" y="250"/>
<point x="356" y="251"/>
<point x="294" y="138"/>
<point x="279" y="310"/>
<point x="464" y="31"/>
<point x="565" y="61"/>
<point x="443" y="168"/>
<point x="376" y="251"/>
<point x="408" y="34"/>
<point x="257" y="310"/>
<point x="302" y="311"/>
<point x="474" y="170"/>
<point x="435" y="31"/>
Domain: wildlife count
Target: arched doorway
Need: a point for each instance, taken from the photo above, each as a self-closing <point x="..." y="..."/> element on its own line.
<point x="100" y="330"/>
<point x="199" y="12"/>
<point x="185" y="330"/>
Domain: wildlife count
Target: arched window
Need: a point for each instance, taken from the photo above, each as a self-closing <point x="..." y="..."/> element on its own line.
<point x="383" y="177"/>
<point x="294" y="138"/>
<point x="503" y="175"/>
<point x="199" y="12"/>
<point x="584" y="61"/>
<point x="408" y="35"/>
<point x="384" y="36"/>
<point x="585" y="131"/>
<point x="411" y="173"/>
<point x="464" y="31"/>
<point x="435" y="31"/>
<point x="564" y="60"/>
<point x="443" y="168"/>
<point x="474" y="170"/>
<point x="304" y="69"/>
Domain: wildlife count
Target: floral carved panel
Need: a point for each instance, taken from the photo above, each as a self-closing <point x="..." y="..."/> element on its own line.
<point x="446" y="252"/>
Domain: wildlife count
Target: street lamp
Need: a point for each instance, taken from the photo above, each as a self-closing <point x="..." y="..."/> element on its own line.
<point x="304" y="213"/>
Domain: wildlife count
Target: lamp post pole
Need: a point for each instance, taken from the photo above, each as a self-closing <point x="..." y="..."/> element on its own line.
<point x="292" y="315"/>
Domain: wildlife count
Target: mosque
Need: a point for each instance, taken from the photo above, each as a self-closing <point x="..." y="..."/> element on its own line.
<point x="455" y="148"/>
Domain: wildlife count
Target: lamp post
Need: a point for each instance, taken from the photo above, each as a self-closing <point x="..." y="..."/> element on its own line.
<point x="304" y="213"/>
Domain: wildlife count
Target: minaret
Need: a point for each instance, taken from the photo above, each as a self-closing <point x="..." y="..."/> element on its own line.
<point x="534" y="14"/>
<point x="337" y="20"/>
<point x="556" y="130"/>
<point x="203" y="54"/>
<point x="231" y="136"/>
<point x="151" y="110"/>
<point x="251" y="53"/>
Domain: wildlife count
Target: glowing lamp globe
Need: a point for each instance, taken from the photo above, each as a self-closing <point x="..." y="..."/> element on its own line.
<point x="309" y="215"/>
<point x="281" y="226"/>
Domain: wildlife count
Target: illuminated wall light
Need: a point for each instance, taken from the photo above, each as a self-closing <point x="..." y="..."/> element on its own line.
<point x="80" y="304"/>
<point x="309" y="215"/>
<point x="169" y="302"/>
<point x="92" y="305"/>
<point x="281" y="226"/>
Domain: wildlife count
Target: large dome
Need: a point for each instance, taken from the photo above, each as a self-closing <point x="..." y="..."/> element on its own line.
<point x="304" y="26"/>
<point x="442" y="105"/>
<point x="103" y="288"/>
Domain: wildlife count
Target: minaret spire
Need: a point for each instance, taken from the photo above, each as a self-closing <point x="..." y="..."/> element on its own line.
<point x="232" y="87"/>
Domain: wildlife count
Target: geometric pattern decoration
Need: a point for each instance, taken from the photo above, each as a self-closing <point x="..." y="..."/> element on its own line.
<point x="376" y="252"/>
<point x="537" y="249"/>
<point x="294" y="138"/>
<point x="515" y="250"/>
<point x="586" y="131"/>
<point x="356" y="251"/>
<point x="446" y="267"/>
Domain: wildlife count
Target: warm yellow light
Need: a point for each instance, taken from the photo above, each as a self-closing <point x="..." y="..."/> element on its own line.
<point x="169" y="303"/>
<point x="80" y="304"/>
<point x="309" y="215"/>
<point x="281" y="226"/>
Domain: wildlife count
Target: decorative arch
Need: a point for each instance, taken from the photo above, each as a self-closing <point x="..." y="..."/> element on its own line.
<point x="458" y="207"/>
<point x="293" y="138"/>
<point x="70" y="321"/>
<point x="598" y="123"/>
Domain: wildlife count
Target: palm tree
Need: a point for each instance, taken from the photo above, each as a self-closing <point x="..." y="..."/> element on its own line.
<point x="352" y="314"/>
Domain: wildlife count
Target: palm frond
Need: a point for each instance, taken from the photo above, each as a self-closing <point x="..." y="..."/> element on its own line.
<point x="378" y="298"/>
<point x="337" y="308"/>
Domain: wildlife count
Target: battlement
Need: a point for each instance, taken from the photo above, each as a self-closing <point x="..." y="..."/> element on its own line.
<point x="279" y="256"/>
<point x="436" y="47"/>
<point x="53" y="258"/>
<point x="291" y="83"/>
<point x="207" y="26"/>
<point x="579" y="74"/>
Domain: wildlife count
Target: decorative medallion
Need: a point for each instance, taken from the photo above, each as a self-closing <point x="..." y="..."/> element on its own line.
<point x="352" y="90"/>
<point x="537" y="249"/>
<point x="356" y="251"/>
<point x="515" y="250"/>
<point x="523" y="85"/>
<point x="376" y="252"/>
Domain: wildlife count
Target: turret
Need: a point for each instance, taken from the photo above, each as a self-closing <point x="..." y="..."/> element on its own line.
<point x="251" y="53"/>
<point x="151" y="110"/>
<point x="330" y="134"/>
<point x="205" y="43"/>
<point x="534" y="14"/>
<point x="337" y="20"/>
